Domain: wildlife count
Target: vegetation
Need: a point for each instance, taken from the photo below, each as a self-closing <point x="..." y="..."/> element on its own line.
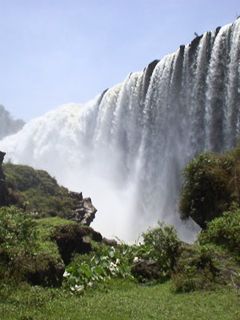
<point x="23" y="255"/>
<point x="225" y="232"/>
<point x="118" y="300"/>
<point x="56" y="268"/>
<point x="37" y="192"/>
<point x="211" y="187"/>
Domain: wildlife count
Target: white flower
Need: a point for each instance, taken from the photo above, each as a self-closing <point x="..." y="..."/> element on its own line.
<point x="136" y="259"/>
<point x="117" y="261"/>
<point x="79" y="288"/>
<point x="113" y="267"/>
<point x="66" y="274"/>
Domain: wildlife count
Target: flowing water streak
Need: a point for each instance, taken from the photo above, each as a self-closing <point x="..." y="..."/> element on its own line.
<point x="127" y="147"/>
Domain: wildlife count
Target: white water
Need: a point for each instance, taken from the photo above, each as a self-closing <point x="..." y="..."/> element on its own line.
<point x="126" y="148"/>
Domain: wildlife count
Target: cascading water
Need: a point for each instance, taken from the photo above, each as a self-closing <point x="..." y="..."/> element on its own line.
<point x="127" y="147"/>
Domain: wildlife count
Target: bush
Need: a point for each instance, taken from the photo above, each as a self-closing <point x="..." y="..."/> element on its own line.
<point x="211" y="186"/>
<point x="156" y="257"/>
<point x="196" y="269"/>
<point x="224" y="231"/>
<point x="17" y="230"/>
<point x="162" y="244"/>
<point x="20" y="257"/>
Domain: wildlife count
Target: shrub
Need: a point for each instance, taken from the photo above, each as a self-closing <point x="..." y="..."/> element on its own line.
<point x="162" y="244"/>
<point x="17" y="230"/>
<point x="211" y="186"/>
<point x="224" y="231"/>
<point x="196" y="269"/>
<point x="20" y="257"/>
<point x="157" y="255"/>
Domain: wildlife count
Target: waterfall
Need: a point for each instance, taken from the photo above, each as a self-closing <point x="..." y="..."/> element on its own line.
<point x="127" y="147"/>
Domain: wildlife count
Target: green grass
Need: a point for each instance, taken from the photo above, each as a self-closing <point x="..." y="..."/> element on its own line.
<point x="45" y="227"/>
<point x="120" y="300"/>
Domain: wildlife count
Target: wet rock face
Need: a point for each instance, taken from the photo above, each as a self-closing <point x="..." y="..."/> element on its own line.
<point x="84" y="211"/>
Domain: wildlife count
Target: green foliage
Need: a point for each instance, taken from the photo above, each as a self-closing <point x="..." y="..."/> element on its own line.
<point x="224" y="231"/>
<point x="26" y="253"/>
<point x="36" y="191"/>
<point x="196" y="269"/>
<point x="45" y="227"/>
<point x="161" y="244"/>
<point x="154" y="259"/>
<point x="17" y="238"/>
<point x="211" y="186"/>
<point x="99" y="266"/>
<point x="17" y="230"/>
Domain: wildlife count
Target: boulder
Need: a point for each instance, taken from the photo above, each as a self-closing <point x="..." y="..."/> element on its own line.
<point x="146" y="270"/>
<point x="74" y="238"/>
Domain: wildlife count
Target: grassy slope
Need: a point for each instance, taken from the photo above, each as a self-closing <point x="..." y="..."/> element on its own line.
<point x="37" y="191"/>
<point x="45" y="227"/>
<point x="121" y="301"/>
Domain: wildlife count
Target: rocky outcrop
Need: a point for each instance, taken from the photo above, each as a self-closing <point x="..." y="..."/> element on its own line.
<point x="84" y="212"/>
<point x="74" y="238"/>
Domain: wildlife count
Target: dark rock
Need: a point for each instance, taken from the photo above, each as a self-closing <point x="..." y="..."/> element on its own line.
<point x="148" y="75"/>
<point x="146" y="270"/>
<point x="193" y="47"/>
<point x="217" y="30"/>
<point x="110" y="242"/>
<point x="74" y="238"/>
<point x="76" y="195"/>
<point x="84" y="211"/>
<point x="182" y="48"/>
<point x="195" y="42"/>
<point x="96" y="236"/>
<point x="102" y="95"/>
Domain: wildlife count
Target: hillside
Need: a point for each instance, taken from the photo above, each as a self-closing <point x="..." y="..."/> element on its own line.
<point x="36" y="192"/>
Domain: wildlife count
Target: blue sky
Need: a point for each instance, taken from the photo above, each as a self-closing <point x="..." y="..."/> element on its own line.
<point x="58" y="51"/>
